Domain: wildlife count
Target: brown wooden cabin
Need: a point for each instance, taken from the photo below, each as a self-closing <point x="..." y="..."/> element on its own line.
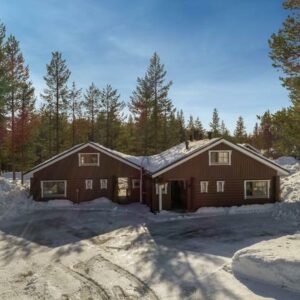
<point x="210" y="173"/>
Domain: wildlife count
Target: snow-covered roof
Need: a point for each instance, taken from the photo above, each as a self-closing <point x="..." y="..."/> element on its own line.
<point x="160" y="163"/>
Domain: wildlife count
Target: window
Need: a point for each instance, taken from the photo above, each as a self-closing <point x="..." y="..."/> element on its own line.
<point x="220" y="186"/>
<point x="135" y="183"/>
<point x="257" y="189"/>
<point x="89" y="184"/>
<point x="54" y="188"/>
<point x="122" y="186"/>
<point x="103" y="184"/>
<point x="88" y="159"/>
<point x="164" y="188"/>
<point x="204" y="186"/>
<point x="219" y="157"/>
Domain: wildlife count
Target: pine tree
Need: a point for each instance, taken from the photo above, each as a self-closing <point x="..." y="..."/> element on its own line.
<point x="3" y="91"/>
<point x="3" y="80"/>
<point x="111" y="110"/>
<point x="24" y="126"/>
<point x="17" y="77"/>
<point x="92" y="105"/>
<point x="75" y="107"/>
<point x="215" y="124"/>
<point x="240" y="134"/>
<point x="56" y="94"/>
<point x="285" y="50"/>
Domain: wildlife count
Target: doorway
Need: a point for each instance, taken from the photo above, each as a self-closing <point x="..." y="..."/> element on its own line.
<point x="178" y="195"/>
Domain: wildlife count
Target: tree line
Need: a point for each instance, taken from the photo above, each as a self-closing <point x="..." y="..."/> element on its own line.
<point x="147" y="124"/>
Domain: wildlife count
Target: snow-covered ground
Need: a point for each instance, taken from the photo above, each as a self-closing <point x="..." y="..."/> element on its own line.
<point x="102" y="250"/>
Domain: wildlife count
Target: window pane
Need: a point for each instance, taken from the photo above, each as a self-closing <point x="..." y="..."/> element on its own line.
<point x="214" y="157"/>
<point x="88" y="158"/>
<point x="122" y="186"/>
<point x="257" y="189"/>
<point x="53" y="189"/>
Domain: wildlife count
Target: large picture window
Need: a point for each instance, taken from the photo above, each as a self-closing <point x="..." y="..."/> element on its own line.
<point x="54" y="188"/>
<point x="219" y="157"/>
<point x="88" y="159"/>
<point x="257" y="189"/>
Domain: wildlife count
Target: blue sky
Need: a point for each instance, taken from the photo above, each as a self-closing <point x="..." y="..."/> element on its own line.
<point x="216" y="52"/>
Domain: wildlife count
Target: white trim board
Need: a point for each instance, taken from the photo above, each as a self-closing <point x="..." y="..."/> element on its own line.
<point x="60" y="157"/>
<point x="263" y="160"/>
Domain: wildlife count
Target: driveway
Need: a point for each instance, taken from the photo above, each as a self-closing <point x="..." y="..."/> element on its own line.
<point x="117" y="254"/>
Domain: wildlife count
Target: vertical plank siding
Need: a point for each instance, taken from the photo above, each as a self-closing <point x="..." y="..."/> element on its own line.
<point x="242" y="168"/>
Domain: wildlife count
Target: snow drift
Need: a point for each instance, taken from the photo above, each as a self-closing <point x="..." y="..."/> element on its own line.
<point x="276" y="262"/>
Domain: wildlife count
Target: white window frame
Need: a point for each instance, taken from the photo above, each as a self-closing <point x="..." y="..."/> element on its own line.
<point x="89" y="164"/>
<point x="136" y="183"/>
<point x="87" y="184"/>
<point x="55" y="180"/>
<point x="257" y="197"/>
<point x="204" y="188"/>
<point x="164" y="188"/>
<point x="103" y="184"/>
<point x="222" y="182"/>
<point x="219" y="164"/>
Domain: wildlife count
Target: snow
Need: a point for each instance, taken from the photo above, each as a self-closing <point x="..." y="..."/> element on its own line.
<point x="103" y="250"/>
<point x="155" y="162"/>
<point x="276" y="262"/>
<point x="290" y="185"/>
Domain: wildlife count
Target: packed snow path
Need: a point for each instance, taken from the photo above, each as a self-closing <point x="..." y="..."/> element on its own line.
<point x="118" y="254"/>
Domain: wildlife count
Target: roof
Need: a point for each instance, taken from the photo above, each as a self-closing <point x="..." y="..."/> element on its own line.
<point x="74" y="149"/>
<point x="158" y="164"/>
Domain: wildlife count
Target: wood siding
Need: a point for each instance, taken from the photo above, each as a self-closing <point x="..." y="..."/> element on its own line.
<point x="68" y="169"/>
<point x="242" y="168"/>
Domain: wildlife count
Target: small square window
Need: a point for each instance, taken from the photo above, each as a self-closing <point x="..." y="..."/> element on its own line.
<point x="88" y="159"/>
<point x="204" y="186"/>
<point x="220" y="186"/>
<point x="89" y="184"/>
<point x="164" y="188"/>
<point x="103" y="184"/>
<point x="135" y="183"/>
<point x="219" y="157"/>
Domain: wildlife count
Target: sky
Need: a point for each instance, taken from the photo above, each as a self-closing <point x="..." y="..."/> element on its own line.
<point x="215" y="52"/>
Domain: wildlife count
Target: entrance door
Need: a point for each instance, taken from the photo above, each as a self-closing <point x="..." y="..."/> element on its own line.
<point x="178" y="195"/>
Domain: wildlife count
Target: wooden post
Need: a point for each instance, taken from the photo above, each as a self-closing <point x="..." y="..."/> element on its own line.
<point x="160" y="188"/>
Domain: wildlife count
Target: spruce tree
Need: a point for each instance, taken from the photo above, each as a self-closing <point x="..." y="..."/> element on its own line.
<point x="140" y="106"/>
<point x="91" y="104"/>
<point x="159" y="96"/>
<point x="75" y="108"/>
<point x="224" y="131"/>
<point x="111" y="110"/>
<point x="191" y="128"/>
<point x="240" y="134"/>
<point x="215" y="124"/>
<point x="199" y="130"/>
<point x="56" y="94"/>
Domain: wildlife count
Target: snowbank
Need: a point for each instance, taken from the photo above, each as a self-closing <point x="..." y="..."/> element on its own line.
<point x="13" y="199"/>
<point x="290" y="185"/>
<point x="275" y="262"/>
